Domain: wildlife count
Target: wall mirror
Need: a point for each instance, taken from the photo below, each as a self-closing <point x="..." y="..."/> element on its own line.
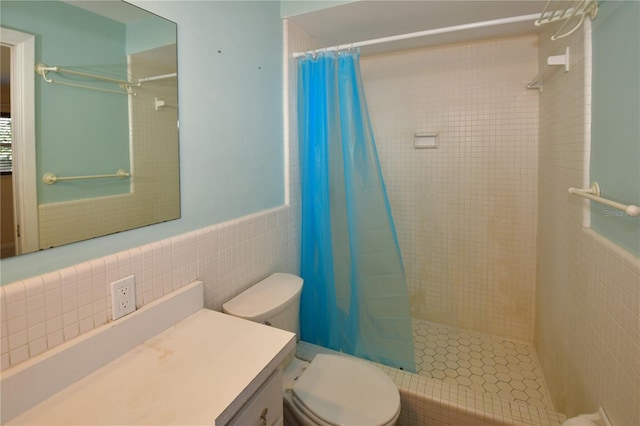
<point x="89" y="121"/>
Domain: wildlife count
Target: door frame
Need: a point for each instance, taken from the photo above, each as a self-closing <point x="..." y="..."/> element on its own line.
<point x="24" y="138"/>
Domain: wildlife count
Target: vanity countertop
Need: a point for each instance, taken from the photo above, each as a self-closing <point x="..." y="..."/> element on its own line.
<point x="199" y="371"/>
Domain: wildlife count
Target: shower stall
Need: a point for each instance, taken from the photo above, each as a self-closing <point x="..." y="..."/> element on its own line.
<point x="465" y="209"/>
<point x="466" y="203"/>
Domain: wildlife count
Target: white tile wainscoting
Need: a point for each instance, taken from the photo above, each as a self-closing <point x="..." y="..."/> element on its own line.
<point x="40" y="313"/>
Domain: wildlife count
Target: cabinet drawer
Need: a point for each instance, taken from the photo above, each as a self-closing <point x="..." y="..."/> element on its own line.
<point x="265" y="403"/>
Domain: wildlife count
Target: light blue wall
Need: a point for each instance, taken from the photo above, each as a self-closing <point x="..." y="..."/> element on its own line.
<point x="615" y="128"/>
<point x="231" y="126"/>
<point x="78" y="131"/>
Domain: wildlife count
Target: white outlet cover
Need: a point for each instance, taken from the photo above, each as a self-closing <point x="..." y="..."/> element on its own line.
<point x="123" y="297"/>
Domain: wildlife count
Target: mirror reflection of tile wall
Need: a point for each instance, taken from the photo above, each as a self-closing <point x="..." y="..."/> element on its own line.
<point x="154" y="127"/>
<point x="155" y="186"/>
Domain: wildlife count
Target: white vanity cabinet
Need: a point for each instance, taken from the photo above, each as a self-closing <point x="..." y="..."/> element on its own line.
<point x="265" y="406"/>
<point x="207" y="369"/>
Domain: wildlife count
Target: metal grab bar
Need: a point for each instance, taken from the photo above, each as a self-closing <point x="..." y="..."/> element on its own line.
<point x="593" y="193"/>
<point x="51" y="178"/>
<point x="157" y="77"/>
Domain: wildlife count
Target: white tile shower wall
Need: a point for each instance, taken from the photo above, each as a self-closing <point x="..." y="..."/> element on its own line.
<point x="465" y="212"/>
<point x="588" y="309"/>
<point x="40" y="313"/>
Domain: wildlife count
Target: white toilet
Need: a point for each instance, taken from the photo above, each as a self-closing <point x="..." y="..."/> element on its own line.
<point x="331" y="389"/>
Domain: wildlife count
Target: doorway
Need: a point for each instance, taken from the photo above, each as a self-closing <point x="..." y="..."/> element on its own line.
<point x="21" y="209"/>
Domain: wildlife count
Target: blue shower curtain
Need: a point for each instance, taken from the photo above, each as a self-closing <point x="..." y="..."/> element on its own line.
<point x="354" y="297"/>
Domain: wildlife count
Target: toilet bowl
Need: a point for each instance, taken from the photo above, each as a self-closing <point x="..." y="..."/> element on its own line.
<point x="329" y="390"/>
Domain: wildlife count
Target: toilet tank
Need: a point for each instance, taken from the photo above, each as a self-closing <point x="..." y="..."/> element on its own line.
<point x="274" y="301"/>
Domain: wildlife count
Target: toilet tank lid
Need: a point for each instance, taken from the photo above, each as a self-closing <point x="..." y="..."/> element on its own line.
<point x="266" y="298"/>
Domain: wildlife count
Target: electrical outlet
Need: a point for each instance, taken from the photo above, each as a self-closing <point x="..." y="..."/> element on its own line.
<point x="123" y="297"/>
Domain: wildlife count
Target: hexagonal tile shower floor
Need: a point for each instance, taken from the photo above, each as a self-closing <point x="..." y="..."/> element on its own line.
<point x="485" y="364"/>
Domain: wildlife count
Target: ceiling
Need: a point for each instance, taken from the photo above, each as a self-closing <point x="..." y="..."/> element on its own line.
<point x="371" y="19"/>
<point x="119" y="11"/>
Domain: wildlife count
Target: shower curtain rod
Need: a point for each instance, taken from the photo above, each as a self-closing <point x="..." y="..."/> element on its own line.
<point x="462" y="27"/>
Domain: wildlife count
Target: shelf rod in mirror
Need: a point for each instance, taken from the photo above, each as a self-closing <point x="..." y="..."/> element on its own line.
<point x="43" y="69"/>
<point x="158" y="77"/>
<point x="51" y="178"/>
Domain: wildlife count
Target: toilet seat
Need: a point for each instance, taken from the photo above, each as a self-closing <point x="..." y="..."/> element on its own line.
<point x="339" y="390"/>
